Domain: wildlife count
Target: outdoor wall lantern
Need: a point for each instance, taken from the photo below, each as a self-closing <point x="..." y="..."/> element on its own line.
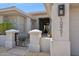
<point x="61" y="13"/>
<point x="61" y="10"/>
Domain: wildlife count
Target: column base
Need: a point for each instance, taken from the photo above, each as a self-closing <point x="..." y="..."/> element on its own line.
<point x="60" y="48"/>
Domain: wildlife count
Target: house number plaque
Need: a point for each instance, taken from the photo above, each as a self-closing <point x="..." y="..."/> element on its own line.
<point x="61" y="26"/>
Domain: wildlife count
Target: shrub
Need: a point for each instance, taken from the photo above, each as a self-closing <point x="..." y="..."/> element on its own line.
<point x="5" y="26"/>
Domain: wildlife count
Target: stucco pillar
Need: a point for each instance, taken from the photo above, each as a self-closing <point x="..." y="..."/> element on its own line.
<point x="1" y="19"/>
<point x="61" y="44"/>
<point x="10" y="38"/>
<point x="35" y="36"/>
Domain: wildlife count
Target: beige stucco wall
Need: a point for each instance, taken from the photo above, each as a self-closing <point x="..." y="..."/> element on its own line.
<point x="60" y="44"/>
<point x="1" y="19"/>
<point x="18" y="21"/>
<point x="15" y="17"/>
<point x="70" y="30"/>
<point x="28" y="24"/>
<point x="56" y="23"/>
<point x="74" y="30"/>
<point x="34" y="23"/>
<point x="21" y="23"/>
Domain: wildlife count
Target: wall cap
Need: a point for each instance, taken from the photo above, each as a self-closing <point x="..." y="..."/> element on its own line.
<point x="12" y="30"/>
<point x="35" y="31"/>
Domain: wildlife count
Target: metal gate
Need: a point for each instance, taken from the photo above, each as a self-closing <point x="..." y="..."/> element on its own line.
<point x="21" y="39"/>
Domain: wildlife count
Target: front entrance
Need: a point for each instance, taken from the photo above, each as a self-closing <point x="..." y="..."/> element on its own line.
<point x="44" y="25"/>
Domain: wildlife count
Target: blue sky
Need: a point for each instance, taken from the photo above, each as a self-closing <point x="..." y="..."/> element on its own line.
<point x="27" y="7"/>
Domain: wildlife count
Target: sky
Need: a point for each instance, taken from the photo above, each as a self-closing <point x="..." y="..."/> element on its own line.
<point x="27" y="7"/>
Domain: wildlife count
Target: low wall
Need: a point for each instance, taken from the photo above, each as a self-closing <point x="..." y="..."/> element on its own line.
<point x="45" y="44"/>
<point x="8" y="40"/>
<point x="2" y="40"/>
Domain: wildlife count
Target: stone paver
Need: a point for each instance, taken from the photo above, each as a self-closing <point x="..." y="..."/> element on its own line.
<point x="20" y="51"/>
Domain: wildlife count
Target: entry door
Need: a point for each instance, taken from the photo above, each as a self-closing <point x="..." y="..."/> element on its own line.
<point x="42" y="22"/>
<point x="74" y="30"/>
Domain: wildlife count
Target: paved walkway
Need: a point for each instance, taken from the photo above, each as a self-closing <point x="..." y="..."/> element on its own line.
<point x="20" y="51"/>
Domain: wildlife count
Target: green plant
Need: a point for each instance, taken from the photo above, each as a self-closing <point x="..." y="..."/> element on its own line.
<point x="5" y="26"/>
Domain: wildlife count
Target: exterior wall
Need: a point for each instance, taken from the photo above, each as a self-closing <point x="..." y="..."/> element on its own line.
<point x="74" y="30"/>
<point x="1" y="19"/>
<point x="61" y="44"/>
<point x="56" y="23"/>
<point x="18" y="21"/>
<point x="35" y="24"/>
<point x="11" y="19"/>
<point x="21" y="23"/>
<point x="5" y="18"/>
<point x="25" y="24"/>
<point x="28" y="24"/>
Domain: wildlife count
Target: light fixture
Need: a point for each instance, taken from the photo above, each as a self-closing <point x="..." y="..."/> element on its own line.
<point x="61" y="10"/>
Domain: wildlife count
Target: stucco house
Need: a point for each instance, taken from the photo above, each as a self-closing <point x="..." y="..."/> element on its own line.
<point x="21" y="20"/>
<point x="61" y="20"/>
<point x="17" y="17"/>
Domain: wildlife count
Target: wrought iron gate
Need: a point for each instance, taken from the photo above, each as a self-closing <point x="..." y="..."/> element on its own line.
<point x="21" y="39"/>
